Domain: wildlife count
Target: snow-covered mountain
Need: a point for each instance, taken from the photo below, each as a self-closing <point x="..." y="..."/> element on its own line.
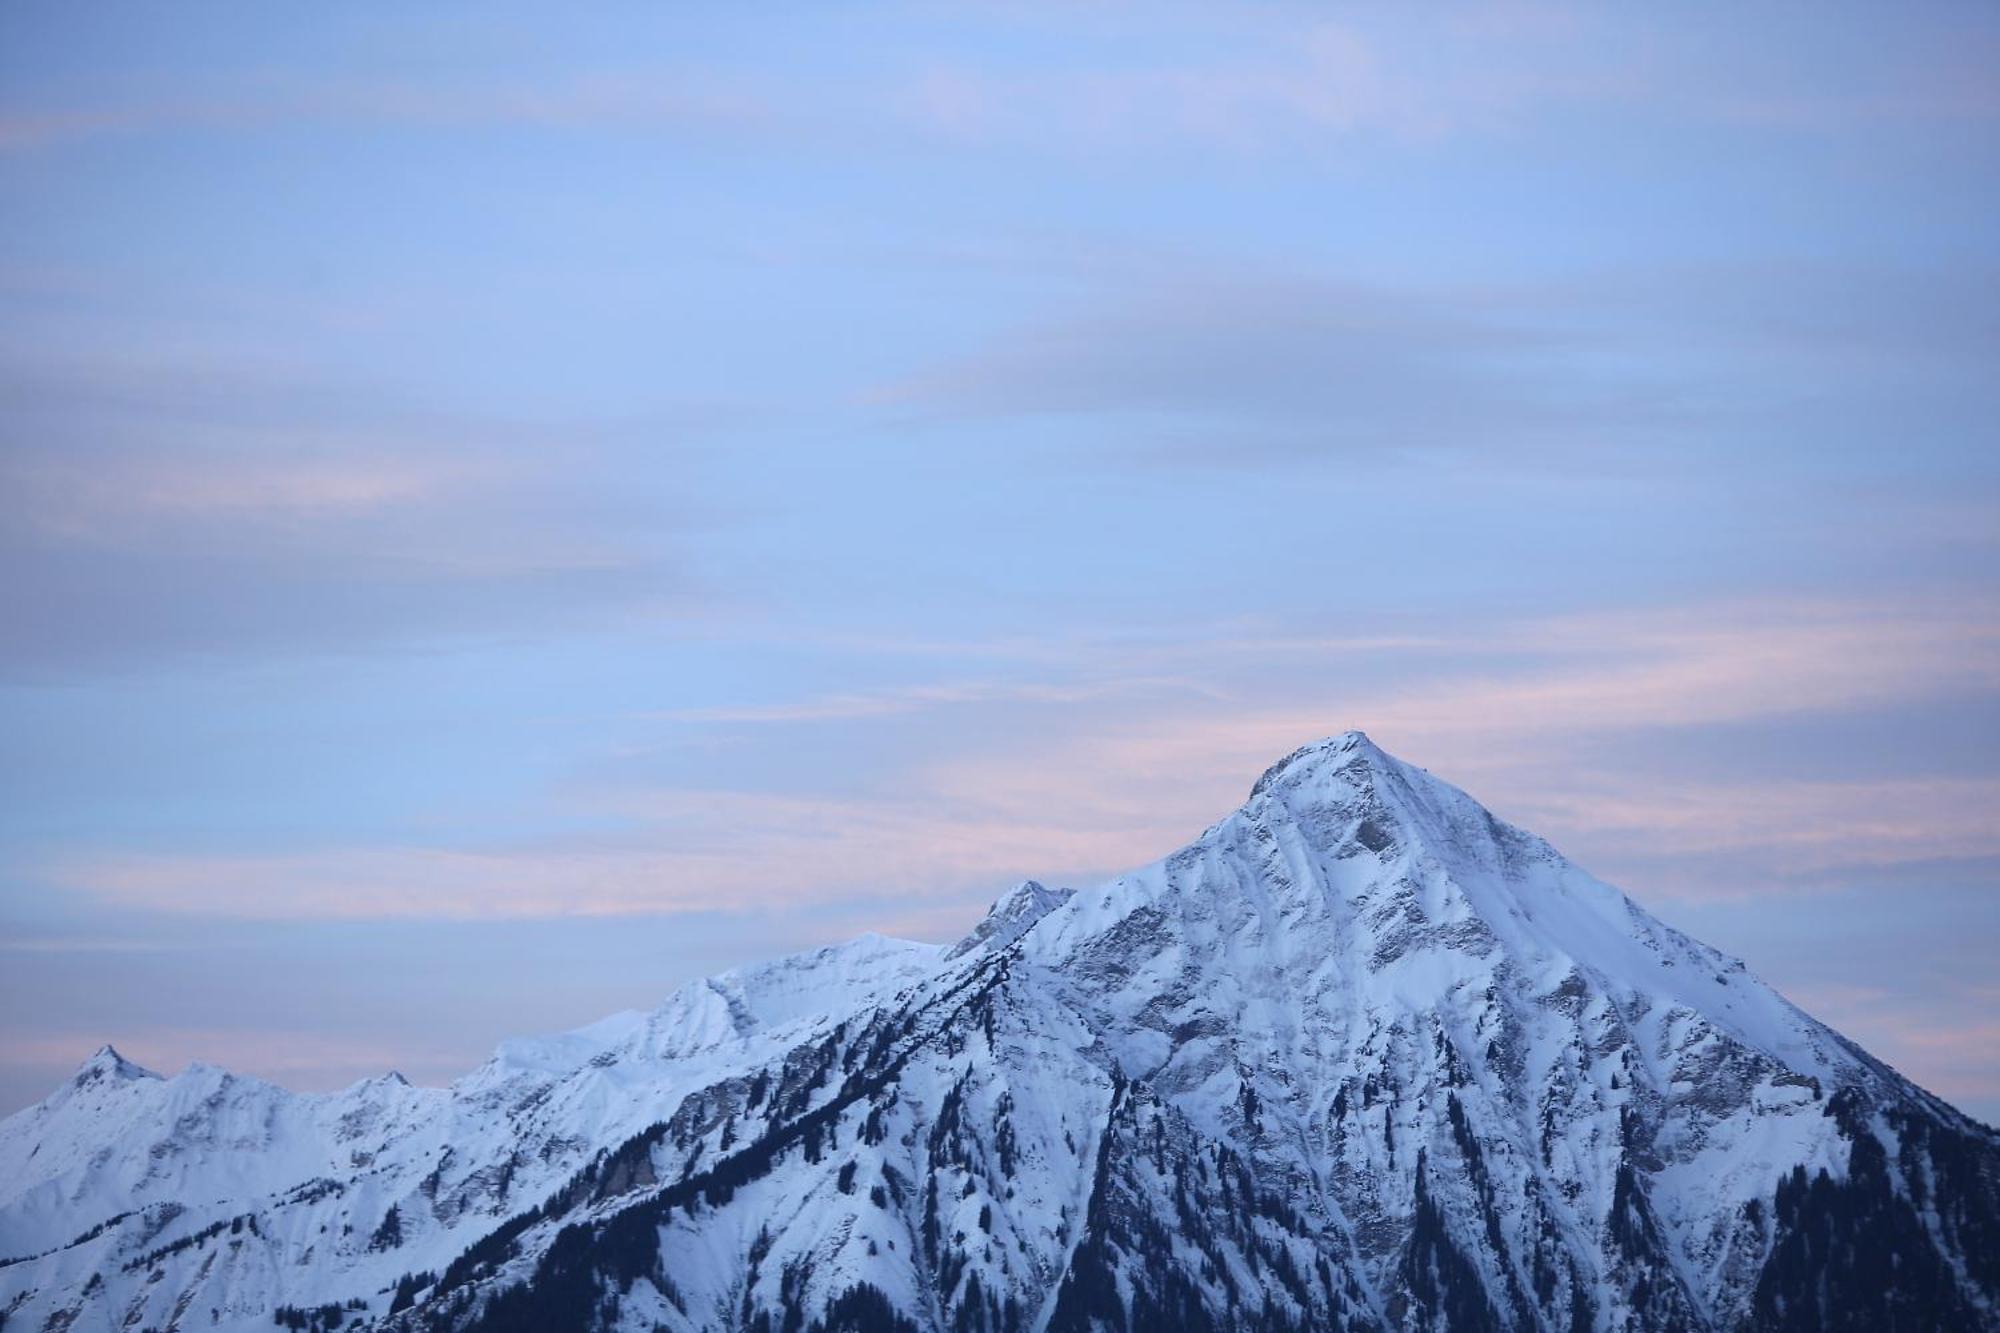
<point x="1360" y="1057"/>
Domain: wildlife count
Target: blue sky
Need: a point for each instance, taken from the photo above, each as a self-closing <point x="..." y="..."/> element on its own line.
<point x="501" y="516"/>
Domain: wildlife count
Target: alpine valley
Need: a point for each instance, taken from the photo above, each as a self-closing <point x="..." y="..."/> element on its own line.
<point x="1361" y="1057"/>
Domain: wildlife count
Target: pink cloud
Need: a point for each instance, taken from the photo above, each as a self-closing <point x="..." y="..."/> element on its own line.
<point x="1955" y="1056"/>
<point x="707" y="851"/>
<point x="1145" y="768"/>
<point x="659" y="99"/>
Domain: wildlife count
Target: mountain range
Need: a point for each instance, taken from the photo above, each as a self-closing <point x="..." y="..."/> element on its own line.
<point x="1360" y="1057"/>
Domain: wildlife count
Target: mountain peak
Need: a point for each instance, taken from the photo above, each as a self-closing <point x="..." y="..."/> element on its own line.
<point x="1330" y="755"/>
<point x="1346" y="790"/>
<point x="1012" y="915"/>
<point x="107" y="1063"/>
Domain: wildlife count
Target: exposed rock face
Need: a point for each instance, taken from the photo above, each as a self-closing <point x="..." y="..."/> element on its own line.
<point x="1361" y="1057"/>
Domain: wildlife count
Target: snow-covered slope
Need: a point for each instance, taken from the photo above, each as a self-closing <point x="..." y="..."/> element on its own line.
<point x="1361" y="1057"/>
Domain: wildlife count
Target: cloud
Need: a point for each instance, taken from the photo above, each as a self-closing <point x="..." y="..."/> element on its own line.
<point x="1524" y="738"/>
<point x="676" y="100"/>
<point x="919" y="698"/>
<point x="1133" y="769"/>
<point x="1276" y="80"/>
<point x="1550" y="719"/>
<point x="1728" y="662"/>
<point x="1056" y="79"/>
<point x="1841" y="77"/>
<point x="1941" y="1035"/>
<point x="1237" y="87"/>
<point x="1792" y="830"/>
<point x="67" y="944"/>
<point x="1543" y="678"/>
<point x="218" y="508"/>
<point x="1289" y="79"/>
<point x="699" y="852"/>
<point x="102" y="500"/>
<point x="1619" y="372"/>
<point x="1345" y="366"/>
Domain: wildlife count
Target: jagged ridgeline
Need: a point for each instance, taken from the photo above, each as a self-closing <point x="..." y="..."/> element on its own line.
<point x="1361" y="1058"/>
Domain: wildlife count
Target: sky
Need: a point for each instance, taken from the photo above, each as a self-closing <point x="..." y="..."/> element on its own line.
<point x="501" y="516"/>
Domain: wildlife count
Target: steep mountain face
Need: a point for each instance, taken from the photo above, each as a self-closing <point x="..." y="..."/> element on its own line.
<point x="1361" y="1057"/>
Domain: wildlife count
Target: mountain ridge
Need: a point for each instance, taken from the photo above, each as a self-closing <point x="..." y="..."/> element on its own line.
<point x="1361" y="1056"/>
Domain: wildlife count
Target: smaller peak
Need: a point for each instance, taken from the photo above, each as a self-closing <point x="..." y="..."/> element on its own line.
<point x="107" y="1063"/>
<point x="1012" y="915"/>
<point x="867" y="945"/>
<point x="1027" y="902"/>
<point x="206" y="1071"/>
<point x="1327" y="755"/>
<point x="1029" y="893"/>
<point x="866" y="942"/>
<point x="389" y="1083"/>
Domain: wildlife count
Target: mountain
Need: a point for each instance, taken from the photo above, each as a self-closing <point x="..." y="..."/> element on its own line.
<point x="1361" y="1057"/>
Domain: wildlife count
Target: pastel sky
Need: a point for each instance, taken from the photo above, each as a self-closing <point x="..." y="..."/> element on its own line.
<point x="500" y="515"/>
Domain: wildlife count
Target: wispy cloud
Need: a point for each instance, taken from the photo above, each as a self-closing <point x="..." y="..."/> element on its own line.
<point x="148" y="513"/>
<point x="1790" y="831"/>
<point x="1630" y="371"/>
<point x="102" y="500"/>
<point x="1244" y="86"/>
<point x="919" y="698"/>
<point x="700" y="852"/>
<point x="1352" y="367"/>
<point x="83" y="944"/>
<point x="1531" y="740"/>
<point x="1151" y="760"/>
<point x="1290" y="79"/>
<point x="1278" y="79"/>
<point x="1943" y="1038"/>
<point x="656" y="99"/>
